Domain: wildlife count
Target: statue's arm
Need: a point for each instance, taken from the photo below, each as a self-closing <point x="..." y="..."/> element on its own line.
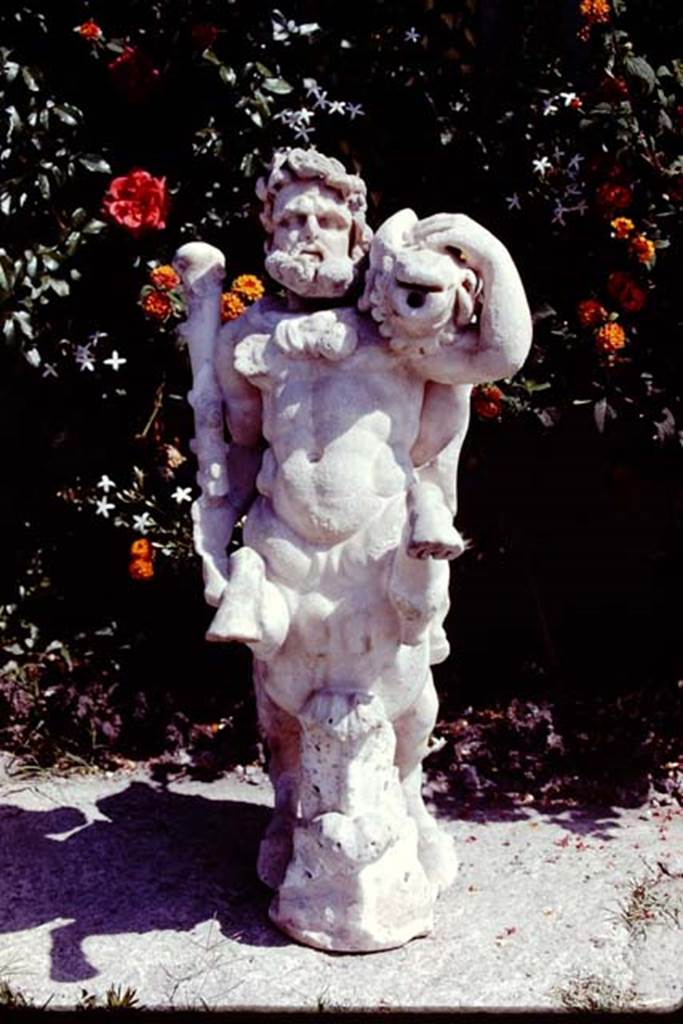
<point x="499" y="343"/>
<point x="244" y="418"/>
<point x="225" y="473"/>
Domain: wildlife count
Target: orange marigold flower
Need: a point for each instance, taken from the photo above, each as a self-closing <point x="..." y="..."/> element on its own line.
<point x="627" y="292"/>
<point x="164" y="277"/>
<point x="157" y="305"/>
<point x="595" y="11"/>
<point x="141" y="548"/>
<point x="642" y="248"/>
<point x="591" y="313"/>
<point x="622" y="227"/>
<point x="248" y="286"/>
<point x="140" y="569"/>
<point x="231" y="307"/>
<point x="610" y="338"/>
<point x="487" y="401"/>
<point x="89" y="30"/>
<point x="613" y="197"/>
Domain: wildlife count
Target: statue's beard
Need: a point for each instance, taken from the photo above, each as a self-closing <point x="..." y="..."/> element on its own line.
<point x="308" y="276"/>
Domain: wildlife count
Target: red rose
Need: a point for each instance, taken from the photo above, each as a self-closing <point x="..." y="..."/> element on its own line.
<point x="613" y="89"/>
<point x="137" y="202"/>
<point x="613" y="197"/>
<point x="204" y="35"/>
<point x="134" y="74"/>
<point x="627" y="292"/>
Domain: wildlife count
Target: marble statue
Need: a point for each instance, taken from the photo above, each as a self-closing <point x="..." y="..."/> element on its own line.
<point x="346" y="404"/>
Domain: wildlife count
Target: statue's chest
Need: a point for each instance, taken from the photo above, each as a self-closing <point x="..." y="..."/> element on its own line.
<point x="327" y="352"/>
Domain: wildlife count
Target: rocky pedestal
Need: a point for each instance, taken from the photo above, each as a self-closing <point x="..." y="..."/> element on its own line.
<point x="355" y="880"/>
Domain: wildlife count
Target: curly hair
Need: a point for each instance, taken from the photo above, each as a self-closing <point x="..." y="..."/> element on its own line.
<point x="290" y="165"/>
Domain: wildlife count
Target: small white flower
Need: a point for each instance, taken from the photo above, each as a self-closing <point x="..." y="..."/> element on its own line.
<point x="412" y="35"/>
<point x="106" y="484"/>
<point x="96" y="335"/>
<point x="142" y="522"/>
<point x="558" y="214"/>
<point x="103" y="507"/>
<point x="568" y="97"/>
<point x="301" y="132"/>
<point x="513" y="202"/>
<point x="557" y="154"/>
<point x="581" y="208"/>
<point x="336" y="107"/>
<point x="182" y="494"/>
<point x="321" y="100"/>
<point x="304" y="115"/>
<point x="287" y="116"/>
<point x="549" y="107"/>
<point x="32" y="356"/>
<point x="84" y="358"/>
<point x="541" y="165"/>
<point x="574" y="164"/>
<point x="115" y="360"/>
<point x="355" y="110"/>
<point x="572" y="190"/>
<point x="49" y="370"/>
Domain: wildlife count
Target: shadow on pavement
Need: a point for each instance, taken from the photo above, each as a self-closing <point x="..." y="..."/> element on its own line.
<point x="163" y="860"/>
<point x="590" y="821"/>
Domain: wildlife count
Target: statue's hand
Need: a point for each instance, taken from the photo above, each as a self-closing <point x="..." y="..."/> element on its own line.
<point x="213" y="523"/>
<point x="478" y="247"/>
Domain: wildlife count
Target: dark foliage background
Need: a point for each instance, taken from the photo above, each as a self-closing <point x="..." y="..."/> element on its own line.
<point x="543" y="121"/>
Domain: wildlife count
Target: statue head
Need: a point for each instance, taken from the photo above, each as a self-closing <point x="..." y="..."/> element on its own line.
<point x="420" y="294"/>
<point x="314" y="213"/>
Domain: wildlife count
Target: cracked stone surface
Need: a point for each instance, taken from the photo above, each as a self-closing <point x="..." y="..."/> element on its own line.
<point x="116" y="879"/>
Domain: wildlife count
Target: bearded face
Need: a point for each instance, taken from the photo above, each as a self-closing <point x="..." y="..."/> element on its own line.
<point x="310" y="245"/>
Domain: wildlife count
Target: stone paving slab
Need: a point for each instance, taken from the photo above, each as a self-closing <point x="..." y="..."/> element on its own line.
<point x="115" y="879"/>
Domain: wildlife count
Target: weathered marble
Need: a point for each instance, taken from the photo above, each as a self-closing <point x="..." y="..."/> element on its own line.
<point x="346" y="405"/>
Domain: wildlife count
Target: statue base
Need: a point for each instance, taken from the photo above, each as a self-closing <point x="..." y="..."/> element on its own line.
<point x="355" y="882"/>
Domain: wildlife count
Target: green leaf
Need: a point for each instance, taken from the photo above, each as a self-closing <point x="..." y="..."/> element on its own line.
<point x="5" y="286"/>
<point x="227" y="75"/>
<point x="664" y="122"/>
<point x="666" y="426"/>
<point x="9" y="330"/>
<point x="248" y="164"/>
<point x="277" y="86"/>
<point x="31" y="263"/>
<point x="58" y="286"/>
<point x="95" y="163"/>
<point x="639" y="68"/>
<point x="94" y="227"/>
<point x="603" y="411"/>
<point x="263" y="70"/>
<point x="71" y="244"/>
<point x="29" y="79"/>
<point x="22" y="321"/>
<point x="67" y="115"/>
